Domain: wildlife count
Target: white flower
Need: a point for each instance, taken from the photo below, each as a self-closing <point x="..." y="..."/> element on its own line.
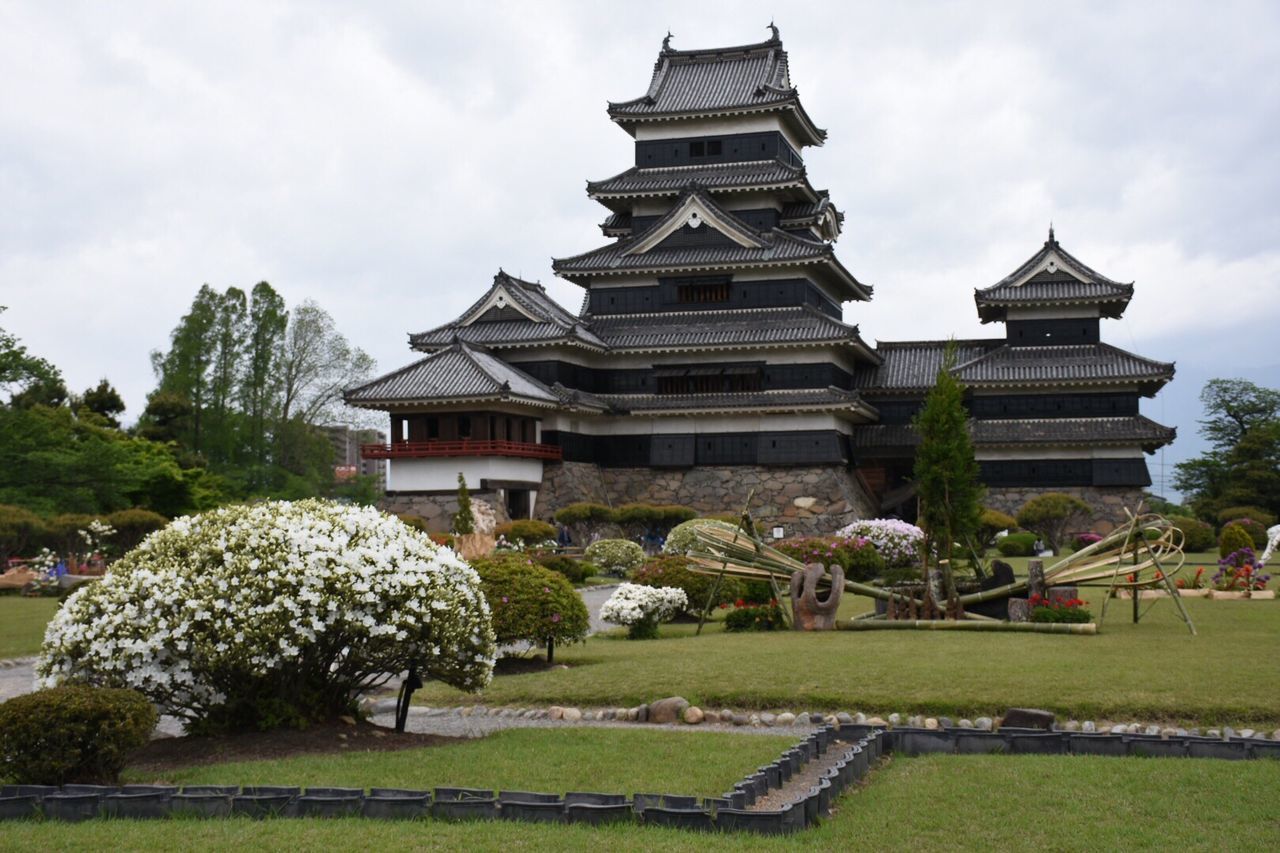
<point x="632" y="603"/>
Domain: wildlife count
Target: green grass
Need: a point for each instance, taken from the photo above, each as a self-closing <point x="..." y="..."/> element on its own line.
<point x="554" y="760"/>
<point x="930" y="803"/>
<point x="22" y="622"/>
<point x="1153" y="670"/>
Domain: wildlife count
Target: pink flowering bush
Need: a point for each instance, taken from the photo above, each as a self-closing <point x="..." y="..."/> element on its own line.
<point x="856" y="556"/>
<point x="897" y="542"/>
<point x="530" y="603"/>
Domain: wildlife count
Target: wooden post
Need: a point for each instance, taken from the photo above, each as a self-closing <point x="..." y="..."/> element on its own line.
<point x="1035" y="578"/>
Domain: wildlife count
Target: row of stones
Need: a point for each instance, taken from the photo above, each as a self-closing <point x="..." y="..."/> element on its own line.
<point x="677" y="710"/>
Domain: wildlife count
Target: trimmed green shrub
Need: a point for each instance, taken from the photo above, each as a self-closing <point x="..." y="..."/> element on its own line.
<point x="639" y="519"/>
<point x="1197" y="535"/>
<point x="72" y="734"/>
<point x="682" y="538"/>
<point x="1051" y="515"/>
<point x="575" y="571"/>
<point x="754" y="617"/>
<point x="526" y="532"/>
<point x="20" y="531"/>
<point x="615" y="556"/>
<point x="1255" y="513"/>
<point x="134" y="525"/>
<point x="62" y="532"/>
<point x="530" y="603"/>
<point x="673" y="570"/>
<point x="1233" y="538"/>
<point x="1017" y="545"/>
<point x="991" y="522"/>
<point x="585" y="520"/>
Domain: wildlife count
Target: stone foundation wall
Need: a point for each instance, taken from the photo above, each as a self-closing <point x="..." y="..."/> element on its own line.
<point x="1107" y="502"/>
<point x="805" y="501"/>
<point x="438" y="510"/>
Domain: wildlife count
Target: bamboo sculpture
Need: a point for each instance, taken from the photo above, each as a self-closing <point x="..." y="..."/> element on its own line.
<point x="1145" y="551"/>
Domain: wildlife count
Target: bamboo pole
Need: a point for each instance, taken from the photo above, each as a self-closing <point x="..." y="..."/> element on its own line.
<point x="1082" y="629"/>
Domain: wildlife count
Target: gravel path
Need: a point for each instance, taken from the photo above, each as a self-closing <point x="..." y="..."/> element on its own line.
<point x="595" y="597"/>
<point x="17" y="676"/>
<point x="446" y="721"/>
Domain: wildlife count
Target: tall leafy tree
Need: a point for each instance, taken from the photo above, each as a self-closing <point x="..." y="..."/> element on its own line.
<point x="1242" y="423"/>
<point x="185" y="369"/>
<point x="259" y="384"/>
<point x="228" y="341"/>
<point x="316" y="363"/>
<point x="946" y="472"/>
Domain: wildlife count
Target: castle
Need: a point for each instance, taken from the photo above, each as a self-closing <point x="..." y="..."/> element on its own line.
<point x="710" y="358"/>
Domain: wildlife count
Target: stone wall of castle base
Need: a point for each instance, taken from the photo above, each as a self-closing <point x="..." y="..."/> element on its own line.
<point x="438" y="509"/>
<point x="804" y="501"/>
<point x="1107" y="503"/>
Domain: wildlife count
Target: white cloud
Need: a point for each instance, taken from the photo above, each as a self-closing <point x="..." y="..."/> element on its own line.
<point x="386" y="160"/>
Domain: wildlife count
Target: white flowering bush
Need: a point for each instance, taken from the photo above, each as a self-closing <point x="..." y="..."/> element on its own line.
<point x="896" y="541"/>
<point x="616" y="556"/>
<point x="641" y="608"/>
<point x="273" y="614"/>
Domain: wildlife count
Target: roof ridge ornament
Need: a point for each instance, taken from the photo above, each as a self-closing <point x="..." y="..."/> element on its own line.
<point x="1052" y="240"/>
<point x="774" y="29"/>
<point x="666" y="42"/>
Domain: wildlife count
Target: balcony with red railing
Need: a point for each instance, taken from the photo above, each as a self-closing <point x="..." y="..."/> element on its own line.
<point x="464" y="447"/>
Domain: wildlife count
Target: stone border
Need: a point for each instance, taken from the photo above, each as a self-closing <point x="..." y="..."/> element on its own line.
<point x="730" y="812"/>
<point x="851" y="752"/>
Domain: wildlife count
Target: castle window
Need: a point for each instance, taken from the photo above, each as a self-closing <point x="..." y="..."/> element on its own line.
<point x="697" y="149"/>
<point x="698" y="293"/>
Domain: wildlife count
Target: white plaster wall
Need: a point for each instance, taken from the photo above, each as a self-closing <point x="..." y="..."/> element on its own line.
<point x="441" y="474"/>
<point x="993" y="455"/>
<point x="668" y="425"/>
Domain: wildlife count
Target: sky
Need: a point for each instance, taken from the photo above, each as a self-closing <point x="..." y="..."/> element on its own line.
<point x="386" y="159"/>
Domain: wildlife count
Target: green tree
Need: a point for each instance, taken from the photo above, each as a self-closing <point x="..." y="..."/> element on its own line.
<point x="228" y="340"/>
<point x="1242" y="424"/>
<point x="260" y="383"/>
<point x="26" y="378"/>
<point x="1052" y="516"/>
<point x="104" y="401"/>
<point x="946" y="472"/>
<point x="184" y="369"/>
<point x="463" y="520"/>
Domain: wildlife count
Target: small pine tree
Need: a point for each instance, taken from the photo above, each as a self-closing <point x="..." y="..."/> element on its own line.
<point x="946" y="472"/>
<point x="463" y="520"/>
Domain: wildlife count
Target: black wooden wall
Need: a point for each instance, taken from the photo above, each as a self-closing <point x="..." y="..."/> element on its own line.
<point x="729" y="148"/>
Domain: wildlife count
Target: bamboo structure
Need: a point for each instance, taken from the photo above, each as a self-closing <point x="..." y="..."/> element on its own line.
<point x="1142" y="553"/>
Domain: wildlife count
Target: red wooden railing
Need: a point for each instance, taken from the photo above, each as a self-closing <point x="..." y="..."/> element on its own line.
<point x="422" y="449"/>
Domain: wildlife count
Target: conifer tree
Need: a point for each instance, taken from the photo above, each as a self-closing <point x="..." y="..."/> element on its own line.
<point x="463" y="520"/>
<point x="946" y="472"/>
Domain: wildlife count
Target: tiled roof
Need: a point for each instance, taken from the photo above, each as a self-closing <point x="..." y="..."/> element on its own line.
<point x="723" y="80"/>
<point x="913" y="365"/>
<point x="757" y="326"/>
<point x="1062" y="365"/>
<point x="800" y="398"/>
<point x="1124" y="431"/>
<point x="772" y="247"/>
<point x="616" y="224"/>
<point x="459" y="372"/>
<point x="551" y="322"/>
<point x="1068" y="282"/>
<point x="716" y="177"/>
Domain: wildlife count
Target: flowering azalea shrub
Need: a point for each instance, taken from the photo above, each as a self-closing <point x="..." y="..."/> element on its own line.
<point x="1084" y="540"/>
<point x="615" y="556"/>
<point x="530" y="603"/>
<point x="1053" y="610"/>
<point x="273" y="614"/>
<point x="673" y="570"/>
<point x="748" y="616"/>
<point x="897" y="541"/>
<point x="641" y="608"/>
<point x="856" y="556"/>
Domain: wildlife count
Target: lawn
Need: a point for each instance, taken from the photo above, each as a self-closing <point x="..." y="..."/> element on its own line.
<point x="553" y="760"/>
<point x="22" y="622"/>
<point x="1154" y="670"/>
<point x="928" y="803"/>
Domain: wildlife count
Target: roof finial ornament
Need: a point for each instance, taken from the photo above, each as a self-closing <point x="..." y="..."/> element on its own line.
<point x="1051" y="238"/>
<point x="666" y="42"/>
<point x="774" y="29"/>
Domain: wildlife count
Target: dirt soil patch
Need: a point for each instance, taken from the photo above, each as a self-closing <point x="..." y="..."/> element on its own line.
<point x="167" y="754"/>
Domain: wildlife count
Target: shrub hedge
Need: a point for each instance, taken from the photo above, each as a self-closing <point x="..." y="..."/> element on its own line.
<point x="857" y="557"/>
<point x="1234" y="537"/>
<point x="1197" y="535"/>
<point x="575" y="571"/>
<point x="72" y="734"/>
<point x="1017" y="545"/>
<point x="526" y="532"/>
<point x="134" y="525"/>
<point x="616" y="556"/>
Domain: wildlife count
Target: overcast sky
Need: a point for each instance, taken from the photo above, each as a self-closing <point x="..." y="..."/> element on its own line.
<point x="386" y="161"/>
